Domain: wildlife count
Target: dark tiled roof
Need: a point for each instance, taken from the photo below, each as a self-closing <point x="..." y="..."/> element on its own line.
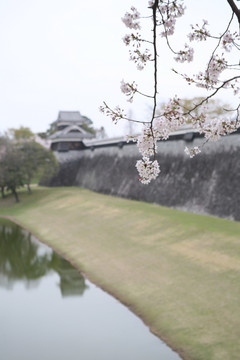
<point x="70" y="132"/>
<point x="69" y="116"/>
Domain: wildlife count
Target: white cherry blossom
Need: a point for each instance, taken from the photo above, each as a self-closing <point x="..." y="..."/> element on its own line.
<point x="148" y="170"/>
<point x="191" y="152"/>
<point x="130" y="19"/>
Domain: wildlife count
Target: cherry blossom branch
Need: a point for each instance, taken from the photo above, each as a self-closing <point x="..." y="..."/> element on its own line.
<point x="219" y="42"/>
<point x="207" y="98"/>
<point x="154" y="9"/>
<point x="173" y="116"/>
<point x="118" y="114"/>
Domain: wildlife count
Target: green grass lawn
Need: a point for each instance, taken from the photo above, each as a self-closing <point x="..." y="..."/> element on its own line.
<point x="179" y="271"/>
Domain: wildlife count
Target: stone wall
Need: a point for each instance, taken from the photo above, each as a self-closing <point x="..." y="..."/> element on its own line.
<point x="208" y="183"/>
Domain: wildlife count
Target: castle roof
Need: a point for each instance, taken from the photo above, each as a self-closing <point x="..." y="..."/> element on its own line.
<point x="71" y="132"/>
<point x="70" y="116"/>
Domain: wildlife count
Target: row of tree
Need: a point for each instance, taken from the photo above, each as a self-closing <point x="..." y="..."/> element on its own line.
<point x="22" y="159"/>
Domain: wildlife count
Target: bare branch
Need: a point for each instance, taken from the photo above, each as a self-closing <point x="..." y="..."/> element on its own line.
<point x="205" y="100"/>
<point x="234" y="9"/>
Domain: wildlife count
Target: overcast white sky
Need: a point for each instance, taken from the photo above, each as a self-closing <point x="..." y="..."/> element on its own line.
<point x="68" y="55"/>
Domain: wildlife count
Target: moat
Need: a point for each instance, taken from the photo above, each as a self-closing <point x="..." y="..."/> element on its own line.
<point x="50" y="311"/>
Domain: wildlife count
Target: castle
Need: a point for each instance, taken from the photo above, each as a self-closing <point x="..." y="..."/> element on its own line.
<point x="70" y="130"/>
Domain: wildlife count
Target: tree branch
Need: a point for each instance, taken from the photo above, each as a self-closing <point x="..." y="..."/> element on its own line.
<point x="211" y="95"/>
<point x="234" y="9"/>
<point x="155" y="57"/>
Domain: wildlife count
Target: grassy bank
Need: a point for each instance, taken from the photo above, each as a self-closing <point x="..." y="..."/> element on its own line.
<point x="180" y="272"/>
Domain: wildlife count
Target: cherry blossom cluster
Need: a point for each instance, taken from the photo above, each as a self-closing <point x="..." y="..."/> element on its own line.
<point x="140" y="58"/>
<point x="134" y="39"/>
<point x="115" y="114"/>
<point x="216" y="128"/>
<point x="199" y="34"/>
<point x="148" y="170"/>
<point x="160" y="129"/>
<point x="209" y="79"/>
<point x="128" y="89"/>
<point x="202" y="80"/>
<point x="229" y="40"/>
<point x="215" y="67"/>
<point x="191" y="152"/>
<point x="211" y="76"/>
<point x="151" y="3"/>
<point x="185" y="55"/>
<point x="131" y="19"/>
<point x="147" y="141"/>
<point x="170" y="11"/>
<point x="137" y="55"/>
<point x="171" y="119"/>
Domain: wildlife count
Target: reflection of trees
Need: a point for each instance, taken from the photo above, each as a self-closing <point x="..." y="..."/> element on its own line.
<point x="21" y="259"/>
<point x="18" y="255"/>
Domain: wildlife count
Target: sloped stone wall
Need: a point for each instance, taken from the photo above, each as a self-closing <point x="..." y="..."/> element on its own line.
<point x="208" y="183"/>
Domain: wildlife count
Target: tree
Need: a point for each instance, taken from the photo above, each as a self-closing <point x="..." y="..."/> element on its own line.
<point x="11" y="169"/>
<point x="4" y="142"/>
<point x="36" y="161"/>
<point x="2" y="174"/>
<point x="22" y="160"/>
<point x="21" y="134"/>
<point x="219" y="75"/>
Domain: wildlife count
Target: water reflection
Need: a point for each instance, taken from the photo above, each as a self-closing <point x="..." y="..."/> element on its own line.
<point x="23" y="258"/>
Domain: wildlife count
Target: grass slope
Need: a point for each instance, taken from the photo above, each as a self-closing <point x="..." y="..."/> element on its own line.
<point x="180" y="272"/>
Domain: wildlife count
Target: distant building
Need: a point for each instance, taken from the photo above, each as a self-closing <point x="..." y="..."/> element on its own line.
<point x="71" y="129"/>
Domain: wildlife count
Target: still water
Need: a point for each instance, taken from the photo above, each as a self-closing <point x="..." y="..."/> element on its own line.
<point x="49" y="311"/>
